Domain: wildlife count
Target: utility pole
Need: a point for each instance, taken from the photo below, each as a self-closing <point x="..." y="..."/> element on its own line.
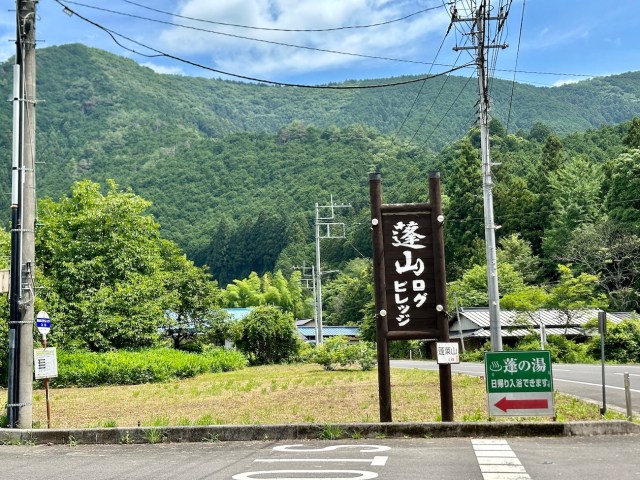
<point x="21" y="301"/>
<point x="325" y="216"/>
<point x="479" y="20"/>
<point x="309" y="279"/>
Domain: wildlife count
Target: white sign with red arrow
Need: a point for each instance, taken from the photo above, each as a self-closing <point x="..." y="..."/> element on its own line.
<point x="521" y="404"/>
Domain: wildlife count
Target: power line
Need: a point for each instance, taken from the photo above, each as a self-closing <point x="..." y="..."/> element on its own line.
<point x="513" y="83"/>
<point x="331" y="29"/>
<point x="159" y="53"/>
<point x="241" y="37"/>
<point x="373" y="57"/>
<point x="419" y="93"/>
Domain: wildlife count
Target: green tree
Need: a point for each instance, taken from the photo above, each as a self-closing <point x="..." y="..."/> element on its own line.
<point x="517" y="252"/>
<point x="622" y="199"/>
<point x="345" y="297"/>
<point x="471" y="289"/>
<point x="576" y="190"/>
<point x="102" y="259"/>
<point x="611" y="253"/>
<point x="268" y="336"/>
<point x="464" y="190"/>
<point x="193" y="298"/>
<point x="573" y="293"/>
<point x="632" y="138"/>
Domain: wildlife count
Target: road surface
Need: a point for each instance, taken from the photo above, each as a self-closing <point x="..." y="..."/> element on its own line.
<point x="569" y="458"/>
<point x="584" y="381"/>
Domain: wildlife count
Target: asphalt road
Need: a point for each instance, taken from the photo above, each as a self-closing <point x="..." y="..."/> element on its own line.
<point x="570" y="458"/>
<point x="583" y="381"/>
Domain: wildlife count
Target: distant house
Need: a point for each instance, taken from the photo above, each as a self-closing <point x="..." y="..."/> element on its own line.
<point x="307" y="330"/>
<point x="473" y="325"/>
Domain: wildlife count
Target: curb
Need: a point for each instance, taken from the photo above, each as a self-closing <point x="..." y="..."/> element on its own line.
<point x="226" y="433"/>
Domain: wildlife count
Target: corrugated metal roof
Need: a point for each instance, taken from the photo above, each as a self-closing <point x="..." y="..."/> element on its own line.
<point x="550" y="318"/>
<point x="330" y="331"/>
<point x="523" y="332"/>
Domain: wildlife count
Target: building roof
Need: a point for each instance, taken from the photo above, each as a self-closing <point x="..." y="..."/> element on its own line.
<point x="474" y="322"/>
<point x="329" y="331"/>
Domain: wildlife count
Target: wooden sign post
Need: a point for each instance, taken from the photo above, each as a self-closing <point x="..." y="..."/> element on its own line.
<point x="410" y="282"/>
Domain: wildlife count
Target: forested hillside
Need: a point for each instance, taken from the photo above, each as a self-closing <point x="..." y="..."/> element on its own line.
<point x="234" y="169"/>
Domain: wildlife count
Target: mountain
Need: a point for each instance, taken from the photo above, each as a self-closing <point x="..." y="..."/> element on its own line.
<point x="210" y="153"/>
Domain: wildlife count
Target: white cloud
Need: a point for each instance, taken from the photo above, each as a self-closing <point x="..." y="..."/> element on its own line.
<point x="400" y="39"/>
<point x="163" y="69"/>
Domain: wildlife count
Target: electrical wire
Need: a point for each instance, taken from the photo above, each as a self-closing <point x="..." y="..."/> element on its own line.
<point x="158" y="53"/>
<point x="241" y="37"/>
<point x="513" y="83"/>
<point x="415" y="100"/>
<point x="333" y="29"/>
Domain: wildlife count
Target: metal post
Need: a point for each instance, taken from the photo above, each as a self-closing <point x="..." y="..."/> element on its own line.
<point x="627" y="396"/>
<point x="437" y="225"/>
<point x="455" y="297"/>
<point x="384" y="374"/>
<point x="46" y="388"/>
<point x="602" y="325"/>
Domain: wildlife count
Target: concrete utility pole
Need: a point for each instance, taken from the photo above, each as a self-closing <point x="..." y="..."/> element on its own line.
<point x="309" y="279"/>
<point x="19" y="404"/>
<point x="330" y="229"/>
<point x="479" y="20"/>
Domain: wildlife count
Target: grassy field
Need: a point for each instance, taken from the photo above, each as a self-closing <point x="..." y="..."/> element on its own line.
<point x="275" y="394"/>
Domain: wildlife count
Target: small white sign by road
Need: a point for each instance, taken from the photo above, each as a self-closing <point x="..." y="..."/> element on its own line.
<point x="45" y="362"/>
<point x="448" y="353"/>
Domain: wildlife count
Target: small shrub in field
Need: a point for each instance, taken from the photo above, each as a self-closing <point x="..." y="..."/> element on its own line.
<point x="337" y="351"/>
<point x="268" y="336"/>
<point x="121" y="367"/>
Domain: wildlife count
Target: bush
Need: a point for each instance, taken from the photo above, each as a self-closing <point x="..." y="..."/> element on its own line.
<point x="337" y="351"/>
<point x="621" y="343"/>
<point x="562" y="349"/>
<point x="89" y="369"/>
<point x="268" y="336"/>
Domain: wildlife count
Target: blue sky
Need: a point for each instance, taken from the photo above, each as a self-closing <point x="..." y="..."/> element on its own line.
<point x="573" y="39"/>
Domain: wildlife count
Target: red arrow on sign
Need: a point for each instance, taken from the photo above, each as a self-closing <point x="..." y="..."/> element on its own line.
<point x="531" y="404"/>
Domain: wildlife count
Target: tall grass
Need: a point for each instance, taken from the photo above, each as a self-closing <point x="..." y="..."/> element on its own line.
<point x="89" y="369"/>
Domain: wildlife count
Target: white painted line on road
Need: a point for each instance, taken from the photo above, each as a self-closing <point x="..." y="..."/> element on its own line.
<point x="495" y="453"/>
<point x="497" y="461"/>
<point x="631" y="374"/>
<point x="594" y="384"/>
<point x="377" y="461"/>
<point x="506" y="476"/>
<point x="494" y="447"/>
<point x="502" y="469"/>
<point x="257" y="475"/>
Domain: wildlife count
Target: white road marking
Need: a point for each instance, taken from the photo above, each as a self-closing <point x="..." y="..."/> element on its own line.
<point x="594" y="384"/>
<point x="255" y="475"/>
<point x="377" y="461"/>
<point x="363" y="448"/>
<point x="497" y="461"/>
<point x="631" y="374"/>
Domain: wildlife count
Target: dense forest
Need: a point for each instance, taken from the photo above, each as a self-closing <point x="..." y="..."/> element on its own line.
<point x="233" y="170"/>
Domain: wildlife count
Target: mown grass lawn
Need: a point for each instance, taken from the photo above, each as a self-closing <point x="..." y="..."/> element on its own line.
<point x="276" y="394"/>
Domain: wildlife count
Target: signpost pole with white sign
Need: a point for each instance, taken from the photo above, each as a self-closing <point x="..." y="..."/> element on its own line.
<point x="43" y="324"/>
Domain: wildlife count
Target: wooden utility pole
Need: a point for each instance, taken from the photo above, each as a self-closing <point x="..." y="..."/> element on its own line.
<point x="22" y="293"/>
<point x="479" y="19"/>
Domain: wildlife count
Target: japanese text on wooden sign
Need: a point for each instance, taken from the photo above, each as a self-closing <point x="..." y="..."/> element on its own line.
<point x="409" y="272"/>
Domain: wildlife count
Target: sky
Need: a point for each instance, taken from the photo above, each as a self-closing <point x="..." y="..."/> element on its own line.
<point x="561" y="41"/>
